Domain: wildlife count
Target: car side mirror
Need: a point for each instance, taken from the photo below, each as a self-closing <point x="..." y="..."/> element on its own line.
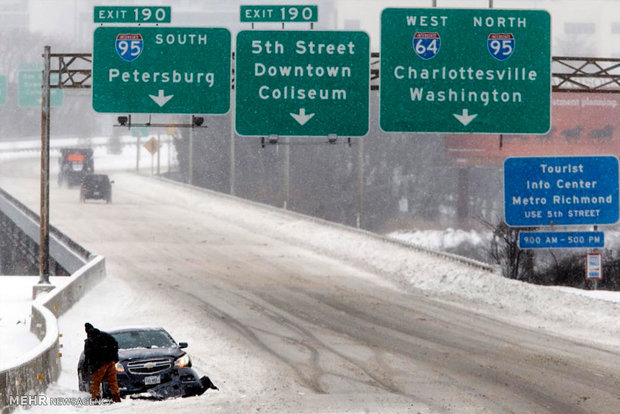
<point x="183" y="345"/>
<point x="112" y="182"/>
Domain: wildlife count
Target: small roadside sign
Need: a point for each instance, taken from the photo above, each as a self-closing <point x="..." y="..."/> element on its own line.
<point x="594" y="266"/>
<point x="152" y="145"/>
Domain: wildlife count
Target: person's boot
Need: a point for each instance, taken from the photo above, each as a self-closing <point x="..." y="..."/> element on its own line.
<point x="207" y="384"/>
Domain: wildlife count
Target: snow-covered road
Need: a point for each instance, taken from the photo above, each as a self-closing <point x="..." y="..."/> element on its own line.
<point x="289" y="315"/>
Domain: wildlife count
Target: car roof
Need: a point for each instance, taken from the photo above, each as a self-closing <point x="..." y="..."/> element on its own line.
<point x="135" y="329"/>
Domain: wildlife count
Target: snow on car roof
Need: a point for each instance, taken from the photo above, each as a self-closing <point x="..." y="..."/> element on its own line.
<point x="136" y="328"/>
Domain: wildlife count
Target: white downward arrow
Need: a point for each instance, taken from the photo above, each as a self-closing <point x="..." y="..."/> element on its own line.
<point x="465" y="118"/>
<point x="301" y="117"/>
<point x="161" y="99"/>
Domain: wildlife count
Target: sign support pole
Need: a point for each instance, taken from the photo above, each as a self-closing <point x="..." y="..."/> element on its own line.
<point x="360" y="183"/>
<point x="137" y="150"/>
<point x="45" y="172"/>
<point x="233" y="177"/>
<point x="595" y="281"/>
<point x="190" y="162"/>
<point x="287" y="171"/>
<point x="158" y="153"/>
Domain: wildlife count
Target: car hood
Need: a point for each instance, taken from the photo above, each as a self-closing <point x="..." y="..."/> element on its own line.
<point x="146" y="353"/>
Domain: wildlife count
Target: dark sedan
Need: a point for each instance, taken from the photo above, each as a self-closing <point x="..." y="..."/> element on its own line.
<point x="150" y="362"/>
<point x="96" y="186"/>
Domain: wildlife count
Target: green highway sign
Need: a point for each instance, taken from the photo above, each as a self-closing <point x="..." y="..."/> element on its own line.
<point x="3" y="90"/>
<point x="29" y="88"/>
<point x="161" y="70"/>
<point x="302" y="83"/>
<point x="114" y="14"/>
<point x="139" y="131"/>
<point x="465" y="70"/>
<point x="298" y="13"/>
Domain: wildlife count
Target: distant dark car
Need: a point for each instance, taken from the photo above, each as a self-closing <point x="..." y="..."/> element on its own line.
<point x="150" y="361"/>
<point x="96" y="186"/>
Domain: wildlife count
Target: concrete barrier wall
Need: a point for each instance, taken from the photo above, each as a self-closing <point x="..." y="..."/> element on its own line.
<point x="35" y="370"/>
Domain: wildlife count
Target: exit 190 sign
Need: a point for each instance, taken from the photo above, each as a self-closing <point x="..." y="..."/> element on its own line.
<point x="465" y="70"/>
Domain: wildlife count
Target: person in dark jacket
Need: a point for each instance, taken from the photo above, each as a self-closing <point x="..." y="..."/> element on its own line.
<point x="101" y="356"/>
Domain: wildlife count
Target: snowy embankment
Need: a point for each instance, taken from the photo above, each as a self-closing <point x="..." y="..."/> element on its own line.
<point x="15" y="309"/>
<point x="568" y="312"/>
<point x="583" y="314"/>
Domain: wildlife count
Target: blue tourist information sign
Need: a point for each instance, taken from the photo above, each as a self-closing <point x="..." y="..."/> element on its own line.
<point x="545" y="191"/>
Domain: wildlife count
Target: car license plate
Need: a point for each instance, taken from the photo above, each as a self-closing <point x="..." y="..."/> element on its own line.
<point x="153" y="379"/>
<point x="96" y="193"/>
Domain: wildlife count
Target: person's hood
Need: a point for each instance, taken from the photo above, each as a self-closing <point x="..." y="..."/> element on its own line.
<point x="91" y="330"/>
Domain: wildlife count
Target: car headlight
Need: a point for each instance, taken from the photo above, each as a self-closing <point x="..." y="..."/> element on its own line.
<point x="183" y="362"/>
<point x="120" y="367"/>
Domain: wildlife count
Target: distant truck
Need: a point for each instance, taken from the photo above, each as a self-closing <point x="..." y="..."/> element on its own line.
<point x="74" y="164"/>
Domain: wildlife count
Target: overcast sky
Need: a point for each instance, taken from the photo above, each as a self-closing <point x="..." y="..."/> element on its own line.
<point x="572" y="20"/>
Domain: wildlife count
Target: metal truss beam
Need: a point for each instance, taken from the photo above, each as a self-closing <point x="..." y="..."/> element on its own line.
<point x="585" y="74"/>
<point x="569" y="74"/>
<point x="72" y="70"/>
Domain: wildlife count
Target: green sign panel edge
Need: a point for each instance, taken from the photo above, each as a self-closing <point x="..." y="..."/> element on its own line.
<point x="446" y="104"/>
<point x="258" y="113"/>
<point x="29" y="89"/>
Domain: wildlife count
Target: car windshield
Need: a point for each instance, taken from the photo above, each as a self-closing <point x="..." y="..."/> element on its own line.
<point x="97" y="179"/>
<point x="143" y="339"/>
